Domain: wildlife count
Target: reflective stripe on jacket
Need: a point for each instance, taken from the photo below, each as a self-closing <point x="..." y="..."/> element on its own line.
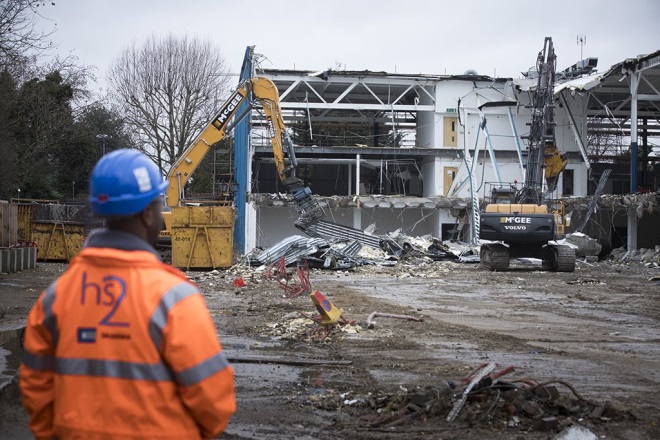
<point x="123" y="346"/>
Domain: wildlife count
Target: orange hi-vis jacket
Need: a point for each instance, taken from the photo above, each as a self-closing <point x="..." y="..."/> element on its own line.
<point x="123" y="346"/>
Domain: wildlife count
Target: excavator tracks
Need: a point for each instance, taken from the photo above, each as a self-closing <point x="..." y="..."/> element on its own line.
<point x="561" y="258"/>
<point x="564" y="259"/>
<point x="495" y="257"/>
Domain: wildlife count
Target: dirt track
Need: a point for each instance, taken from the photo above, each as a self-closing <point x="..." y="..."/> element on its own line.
<point x="596" y="330"/>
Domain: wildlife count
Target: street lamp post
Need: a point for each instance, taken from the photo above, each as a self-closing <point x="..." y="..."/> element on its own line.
<point x="103" y="137"/>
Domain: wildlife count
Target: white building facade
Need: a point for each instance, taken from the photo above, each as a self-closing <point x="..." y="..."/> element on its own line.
<point x="408" y="152"/>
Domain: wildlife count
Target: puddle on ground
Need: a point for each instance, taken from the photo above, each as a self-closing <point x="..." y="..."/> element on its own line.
<point x="11" y="284"/>
<point x="326" y="378"/>
<point x="238" y="344"/>
<point x="10" y="355"/>
<point x="395" y="377"/>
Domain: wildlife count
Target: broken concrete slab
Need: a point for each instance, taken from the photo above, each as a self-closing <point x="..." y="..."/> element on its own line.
<point x="583" y="244"/>
<point x="575" y="432"/>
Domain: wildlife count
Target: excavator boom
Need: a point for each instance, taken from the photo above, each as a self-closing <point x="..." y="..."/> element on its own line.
<point x="192" y="156"/>
<point x="265" y="92"/>
<point x="543" y="157"/>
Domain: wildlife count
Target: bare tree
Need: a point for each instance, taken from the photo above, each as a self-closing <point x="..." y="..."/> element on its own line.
<point x="167" y="90"/>
<point x="19" y="35"/>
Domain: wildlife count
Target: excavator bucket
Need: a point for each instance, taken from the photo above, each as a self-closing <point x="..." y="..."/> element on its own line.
<point x="555" y="162"/>
<point x="309" y="211"/>
<point x="308" y="208"/>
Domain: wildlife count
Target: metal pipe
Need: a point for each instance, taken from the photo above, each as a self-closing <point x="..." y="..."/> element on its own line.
<point x="632" y="215"/>
<point x="371" y="323"/>
<point x="634" y="82"/>
<point x="357" y="175"/>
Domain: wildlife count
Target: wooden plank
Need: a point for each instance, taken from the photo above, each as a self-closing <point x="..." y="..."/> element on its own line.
<point x="286" y="361"/>
<point x="8" y="223"/>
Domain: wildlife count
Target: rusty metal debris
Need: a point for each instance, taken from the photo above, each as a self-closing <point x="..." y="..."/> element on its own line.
<point x="371" y="323"/>
<point x="482" y="396"/>
<point x="294" y="284"/>
<point x="466" y="392"/>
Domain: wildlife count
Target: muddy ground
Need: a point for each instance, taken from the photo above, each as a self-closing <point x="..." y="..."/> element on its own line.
<point x="594" y="334"/>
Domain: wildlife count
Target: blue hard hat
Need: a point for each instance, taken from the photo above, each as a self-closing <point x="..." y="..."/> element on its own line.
<point x="124" y="182"/>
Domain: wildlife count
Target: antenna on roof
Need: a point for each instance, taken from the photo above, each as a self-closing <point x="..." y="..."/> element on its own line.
<point x="581" y="41"/>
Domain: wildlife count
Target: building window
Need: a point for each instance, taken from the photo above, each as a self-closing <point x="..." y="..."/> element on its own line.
<point x="568" y="183"/>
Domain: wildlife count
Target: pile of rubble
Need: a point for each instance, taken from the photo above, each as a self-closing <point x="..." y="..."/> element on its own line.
<point x="298" y="326"/>
<point x="395" y="248"/>
<point x="639" y="202"/>
<point x="516" y="405"/>
<point x="648" y="257"/>
<point x="349" y="253"/>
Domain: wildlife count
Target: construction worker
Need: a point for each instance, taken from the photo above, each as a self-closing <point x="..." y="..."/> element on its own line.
<point x="122" y="345"/>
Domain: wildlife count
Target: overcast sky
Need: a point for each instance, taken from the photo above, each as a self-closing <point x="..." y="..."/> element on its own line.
<point x="498" y="37"/>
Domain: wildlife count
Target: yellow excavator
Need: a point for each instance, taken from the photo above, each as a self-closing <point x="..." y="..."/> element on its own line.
<point x="525" y="224"/>
<point x="265" y="92"/>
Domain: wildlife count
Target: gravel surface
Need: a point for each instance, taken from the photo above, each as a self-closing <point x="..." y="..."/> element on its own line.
<point x="593" y="333"/>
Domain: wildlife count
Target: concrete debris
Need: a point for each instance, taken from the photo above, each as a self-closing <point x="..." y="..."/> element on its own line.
<point x="576" y="432"/>
<point x="648" y="257"/>
<point x="583" y="244"/>
<point x="425" y="245"/>
<point x="296" y="328"/>
<point x="368" y="201"/>
<point x="299" y="327"/>
<point x="639" y="202"/>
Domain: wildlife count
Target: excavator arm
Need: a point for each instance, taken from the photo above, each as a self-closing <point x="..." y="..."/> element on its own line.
<point x="543" y="156"/>
<point x="309" y="211"/>
<point x="213" y="133"/>
<point x="265" y="92"/>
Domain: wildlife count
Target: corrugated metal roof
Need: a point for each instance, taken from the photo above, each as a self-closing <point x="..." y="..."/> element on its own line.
<point x="291" y="248"/>
<point x="582" y="83"/>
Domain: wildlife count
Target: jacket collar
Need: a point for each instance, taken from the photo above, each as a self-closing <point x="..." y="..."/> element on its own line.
<point x="105" y="238"/>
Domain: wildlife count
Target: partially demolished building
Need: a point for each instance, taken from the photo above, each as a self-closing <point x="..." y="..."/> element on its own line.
<point x="418" y="152"/>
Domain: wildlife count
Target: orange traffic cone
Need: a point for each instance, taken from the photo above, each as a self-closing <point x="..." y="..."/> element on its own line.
<point x="329" y="313"/>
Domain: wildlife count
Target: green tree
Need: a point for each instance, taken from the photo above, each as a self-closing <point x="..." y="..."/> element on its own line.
<point x="42" y="121"/>
<point x="76" y="158"/>
<point x="8" y="144"/>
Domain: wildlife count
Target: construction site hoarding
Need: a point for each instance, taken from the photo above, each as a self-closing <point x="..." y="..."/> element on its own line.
<point x="24" y="225"/>
<point x="57" y="229"/>
<point x="57" y="241"/>
<point x="8" y="224"/>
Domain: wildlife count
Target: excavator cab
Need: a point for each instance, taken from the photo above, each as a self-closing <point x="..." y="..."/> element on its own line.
<point x="503" y="195"/>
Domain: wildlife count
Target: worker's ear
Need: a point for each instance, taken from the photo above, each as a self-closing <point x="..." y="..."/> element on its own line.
<point x="149" y="215"/>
